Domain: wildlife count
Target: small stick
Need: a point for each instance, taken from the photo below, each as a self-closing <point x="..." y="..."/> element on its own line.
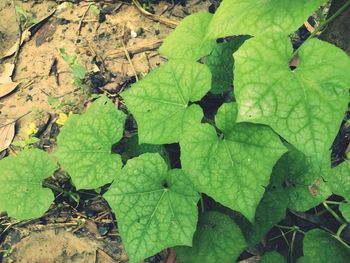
<point x="128" y="56"/>
<point x="154" y="17"/>
<point x="81" y="23"/>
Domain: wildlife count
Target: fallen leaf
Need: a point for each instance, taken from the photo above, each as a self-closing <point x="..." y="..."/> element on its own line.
<point x="26" y="35"/>
<point x="7" y="132"/>
<point x="6" y="83"/>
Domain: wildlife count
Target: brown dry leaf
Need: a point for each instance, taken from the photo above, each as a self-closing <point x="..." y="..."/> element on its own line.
<point x="7" y="133"/>
<point x="6" y="83"/>
<point x="26" y="35"/>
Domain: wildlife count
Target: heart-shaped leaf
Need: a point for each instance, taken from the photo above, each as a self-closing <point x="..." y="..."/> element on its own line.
<point x="155" y="208"/>
<point x="235" y="169"/>
<point x="21" y="191"/>
<point x="305" y="106"/>
<point x="160" y="102"/>
<point x="85" y="142"/>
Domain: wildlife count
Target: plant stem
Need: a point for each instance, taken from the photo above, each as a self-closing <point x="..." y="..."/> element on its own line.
<point x="202" y="204"/>
<point x="334" y="214"/>
<point x="322" y="25"/>
<point x="53" y="187"/>
<point x="292" y="247"/>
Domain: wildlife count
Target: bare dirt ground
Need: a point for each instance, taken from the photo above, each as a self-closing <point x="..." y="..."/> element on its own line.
<point x="114" y="47"/>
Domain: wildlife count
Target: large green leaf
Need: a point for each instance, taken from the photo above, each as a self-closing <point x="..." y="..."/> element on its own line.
<point x="21" y="177"/>
<point x="217" y="239"/>
<point x="305" y="106"/>
<point x="155" y="208"/>
<point x="258" y="17"/>
<point x="297" y="184"/>
<point x="339" y="180"/>
<point x="322" y="247"/>
<point x="160" y="102"/>
<point x="188" y="40"/>
<point x="220" y="63"/>
<point x="344" y="208"/>
<point x="232" y="170"/>
<point x="85" y="143"/>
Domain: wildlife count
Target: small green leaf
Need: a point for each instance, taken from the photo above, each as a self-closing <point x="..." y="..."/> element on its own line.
<point x="21" y="191"/>
<point x="85" y="142"/>
<point x="233" y="170"/>
<point x="220" y="63"/>
<point x="217" y="239"/>
<point x="321" y="247"/>
<point x="155" y="208"/>
<point x="305" y="106"/>
<point x="258" y="17"/>
<point x="339" y="180"/>
<point x="160" y="102"/>
<point x="188" y="40"/>
<point x="272" y="257"/>
<point x="345" y="211"/>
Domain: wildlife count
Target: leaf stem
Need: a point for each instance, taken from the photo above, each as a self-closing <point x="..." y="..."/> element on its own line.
<point x="334" y="214"/>
<point x="202" y="203"/>
<point x="56" y="188"/>
<point x="322" y="25"/>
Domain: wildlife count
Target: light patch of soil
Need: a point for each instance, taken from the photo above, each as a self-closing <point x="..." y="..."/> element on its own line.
<point x="59" y="245"/>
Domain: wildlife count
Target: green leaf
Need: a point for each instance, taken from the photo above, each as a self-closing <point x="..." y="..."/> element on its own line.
<point x="305" y="106"/>
<point x="339" y="180"/>
<point x="217" y="239"/>
<point x="155" y="208"/>
<point x="220" y="62"/>
<point x="322" y="247"/>
<point x="21" y="191"/>
<point x="85" y="142"/>
<point x="272" y="257"/>
<point x="260" y="17"/>
<point x="160" y="102"/>
<point x="297" y="184"/>
<point x="233" y="170"/>
<point x="345" y="211"/>
<point x="188" y="40"/>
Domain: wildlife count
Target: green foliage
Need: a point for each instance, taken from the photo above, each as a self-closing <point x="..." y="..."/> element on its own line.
<point x="85" y="142"/>
<point x="260" y="17"/>
<point x="272" y="257"/>
<point x="160" y="102"/>
<point x="304" y="106"/>
<point x="266" y="151"/>
<point x="21" y="191"/>
<point x="220" y="63"/>
<point x="228" y="169"/>
<point x="321" y="247"/>
<point x="156" y="208"/>
<point x="188" y="41"/>
<point x="217" y="239"/>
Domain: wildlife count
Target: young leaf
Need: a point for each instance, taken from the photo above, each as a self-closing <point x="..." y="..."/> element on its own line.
<point x="233" y="170"/>
<point x="155" y="208"/>
<point x="345" y="211"/>
<point x="160" y="102"/>
<point x="297" y="184"/>
<point x="272" y="257"/>
<point x="21" y="191"/>
<point x="339" y="180"/>
<point x="321" y="247"/>
<point x="220" y="63"/>
<point x="217" y="239"/>
<point x="252" y="17"/>
<point x="305" y="106"/>
<point x="188" y="40"/>
<point x="85" y="142"/>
